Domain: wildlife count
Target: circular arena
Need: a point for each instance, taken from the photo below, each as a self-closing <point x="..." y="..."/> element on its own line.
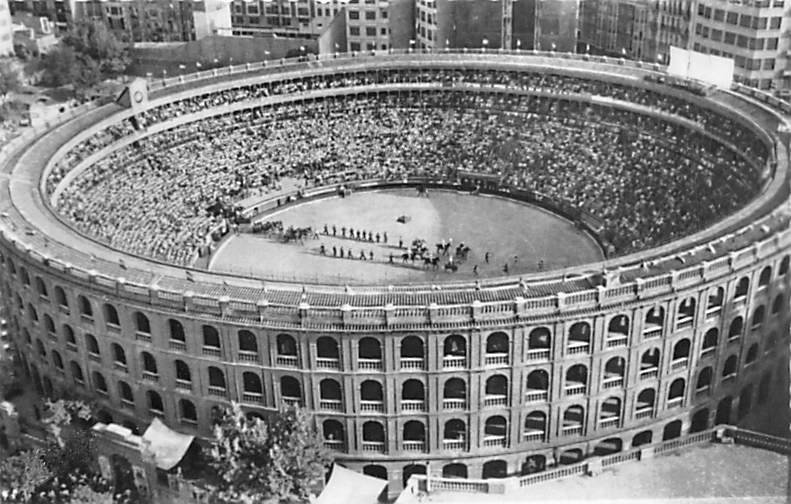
<point x="487" y="264"/>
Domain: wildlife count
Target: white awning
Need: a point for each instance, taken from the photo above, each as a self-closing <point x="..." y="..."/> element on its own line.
<point x="168" y="445"/>
<point x="349" y="486"/>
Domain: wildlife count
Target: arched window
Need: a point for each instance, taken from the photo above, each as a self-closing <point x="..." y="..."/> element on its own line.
<point x="369" y="353"/>
<point x="494" y="469"/>
<point x="49" y="325"/>
<point x="149" y="363"/>
<point x="576" y="379"/>
<point x="614" y="370"/>
<point x="573" y="420"/>
<point x="716" y="298"/>
<point x="32" y="313"/>
<point x="330" y="394"/>
<point x="618" y="326"/>
<point x="496" y="391"/>
<point x="495" y="431"/>
<point x="675" y="394"/>
<point x="211" y="338"/>
<point x="454" y="470"/>
<point x="454" y="434"/>
<point x="454" y="394"/>
<point x="671" y="430"/>
<point x="539" y="343"/>
<point x="654" y="322"/>
<point x="766" y="276"/>
<point x="759" y="314"/>
<point x="176" y="331"/>
<point x="216" y="378"/>
<point x="68" y="334"/>
<point x="334" y="435"/>
<point x="86" y="310"/>
<point x="155" y="402"/>
<point x="76" y="372"/>
<point x="710" y="341"/>
<point x="286" y="350"/>
<point x="700" y="421"/>
<point x="610" y="412"/>
<point x="413" y="395"/>
<point x="414" y="435"/>
<point x="24" y="276"/>
<point x="327" y="354"/>
<point x="579" y="338"/>
<point x="40" y="347"/>
<point x="535" y="426"/>
<point x="290" y="389"/>
<point x="777" y="304"/>
<point x="119" y="356"/>
<point x="99" y="383"/>
<point x="742" y="287"/>
<point x="729" y="369"/>
<point x="371" y="396"/>
<point x="374" y="435"/>
<point x="497" y="348"/>
<point x="412" y="353"/>
<point x="377" y="471"/>
<point x="644" y="407"/>
<point x="183" y="373"/>
<point x="537" y="386"/>
<point x="704" y="379"/>
<point x="60" y="299"/>
<point x="57" y="360"/>
<point x="41" y="288"/>
<point x="649" y="363"/>
<point x="141" y="323"/>
<point x="111" y="315"/>
<point x="752" y="354"/>
<point x="247" y="342"/>
<point x="125" y="392"/>
<point x="454" y="351"/>
<point x="783" y="266"/>
<point x="681" y="354"/>
<point x="251" y="384"/>
<point x="686" y="312"/>
<point x="735" y="331"/>
<point x="188" y="412"/>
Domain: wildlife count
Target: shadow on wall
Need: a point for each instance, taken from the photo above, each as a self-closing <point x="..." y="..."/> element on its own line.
<point x="177" y="58"/>
<point x="772" y="415"/>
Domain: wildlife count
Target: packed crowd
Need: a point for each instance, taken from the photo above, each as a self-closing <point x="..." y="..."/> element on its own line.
<point x="744" y="139"/>
<point x="647" y="180"/>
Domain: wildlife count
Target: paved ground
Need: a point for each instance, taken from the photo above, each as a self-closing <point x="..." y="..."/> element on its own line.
<point x="710" y="474"/>
<point x="505" y="228"/>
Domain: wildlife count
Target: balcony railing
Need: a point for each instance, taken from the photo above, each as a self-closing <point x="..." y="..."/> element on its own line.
<point x="608" y="422"/>
<point x="684" y="322"/>
<point x="370" y="364"/>
<point x="328" y="363"/>
<point x="248" y="356"/>
<point x="142" y="336"/>
<point x="454" y="444"/>
<point x="331" y="404"/>
<point x="120" y="366"/>
<point x="495" y="400"/>
<point x="192" y="422"/>
<point x="211" y="351"/>
<point x="535" y="395"/>
<point x="413" y="405"/>
<point x="374" y="446"/>
<point x="533" y="436"/>
<point x="679" y="363"/>
<point x="652" y="331"/>
<point x="94" y="357"/>
<point x="149" y="376"/>
<point x="644" y="412"/>
<point x="454" y="404"/>
<point x="252" y="397"/>
<point x="454" y="362"/>
<point x="156" y="412"/>
<point x="71" y="347"/>
<point x="287" y="360"/>
<point x="613" y="382"/>
<point x="126" y="403"/>
<point x="372" y="406"/>
<point x="703" y="390"/>
<point x="538" y="354"/>
<point x="647" y="373"/>
<point x="335" y="445"/>
<point x="414" y="446"/>
<point x="729" y="376"/>
<point x="412" y="362"/>
<point x="617" y="340"/>
<point x="218" y="391"/>
<point x="578" y="347"/>
<point x="52" y="337"/>
<point x="114" y="328"/>
<point x="494" y="441"/>
<point x="496" y="359"/>
<point x="177" y="345"/>
<point x="708" y="352"/>
<point x="572" y="430"/>
<point x="713" y="311"/>
<point x="292" y="401"/>
<point x="576" y="389"/>
<point x="183" y="384"/>
<point x="675" y="402"/>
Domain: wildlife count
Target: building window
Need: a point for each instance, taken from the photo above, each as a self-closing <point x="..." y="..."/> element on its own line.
<point x="732" y="18"/>
<point x="730" y="38"/>
<point x="370" y="15"/>
<point x="354" y="46"/>
<point x="354" y="30"/>
<point x="716" y="35"/>
<point x="771" y="44"/>
<point x="719" y="15"/>
<point x="354" y="14"/>
<point x="775" y="22"/>
<point x="769" y="64"/>
<point x="370" y="31"/>
<point x="383" y="14"/>
<point x="760" y="23"/>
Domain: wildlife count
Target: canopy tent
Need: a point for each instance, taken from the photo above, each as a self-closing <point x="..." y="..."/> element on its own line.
<point x="167" y="445"/>
<point x="349" y="486"/>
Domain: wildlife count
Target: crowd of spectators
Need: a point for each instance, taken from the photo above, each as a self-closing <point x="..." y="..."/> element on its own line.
<point x="645" y="179"/>
<point x="724" y="127"/>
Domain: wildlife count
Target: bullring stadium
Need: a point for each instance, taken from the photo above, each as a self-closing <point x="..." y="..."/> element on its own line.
<point x="490" y="263"/>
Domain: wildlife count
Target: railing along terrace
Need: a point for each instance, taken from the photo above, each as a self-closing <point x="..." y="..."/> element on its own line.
<point x="513" y="484"/>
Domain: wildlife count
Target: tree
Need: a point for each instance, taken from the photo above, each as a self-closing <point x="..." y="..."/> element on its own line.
<point x="22" y="474"/>
<point x="260" y="461"/>
<point x="9" y="79"/>
<point x="84" y="494"/>
<point x="92" y="39"/>
<point x="60" y="66"/>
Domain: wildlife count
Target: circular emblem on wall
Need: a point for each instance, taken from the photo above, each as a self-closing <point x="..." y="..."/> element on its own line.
<point x="138" y="96"/>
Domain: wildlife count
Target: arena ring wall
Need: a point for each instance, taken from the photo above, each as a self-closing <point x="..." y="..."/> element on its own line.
<point x="504" y="376"/>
